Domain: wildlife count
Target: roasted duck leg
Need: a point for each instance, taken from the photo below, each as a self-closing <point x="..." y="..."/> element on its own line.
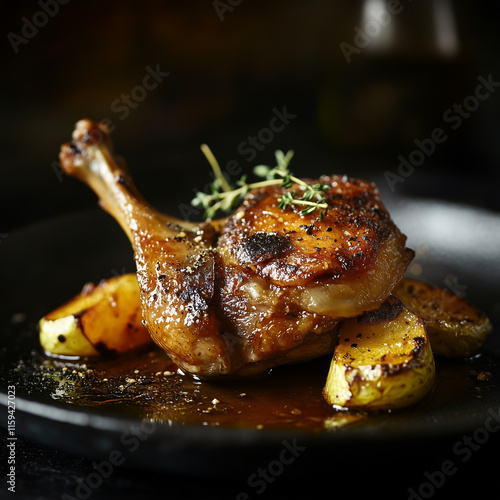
<point x="263" y="287"/>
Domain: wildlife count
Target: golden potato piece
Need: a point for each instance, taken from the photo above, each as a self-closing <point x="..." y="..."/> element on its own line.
<point x="455" y="328"/>
<point x="383" y="360"/>
<point x="64" y="337"/>
<point x="102" y="318"/>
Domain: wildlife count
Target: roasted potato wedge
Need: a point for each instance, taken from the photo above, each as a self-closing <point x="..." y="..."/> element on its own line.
<point x="383" y="360"/>
<point x="455" y="328"/>
<point x="102" y="318"/>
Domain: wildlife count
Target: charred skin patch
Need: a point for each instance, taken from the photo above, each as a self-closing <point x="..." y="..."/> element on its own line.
<point x="198" y="287"/>
<point x="262" y="247"/>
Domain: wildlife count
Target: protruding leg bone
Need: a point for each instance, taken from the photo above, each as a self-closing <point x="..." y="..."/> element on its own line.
<point x="175" y="260"/>
<point x="90" y="158"/>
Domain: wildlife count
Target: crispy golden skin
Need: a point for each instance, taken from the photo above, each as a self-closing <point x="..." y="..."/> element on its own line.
<point x="263" y="287"/>
<point x="292" y="250"/>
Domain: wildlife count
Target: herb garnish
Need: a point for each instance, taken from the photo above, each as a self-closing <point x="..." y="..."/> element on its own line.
<point x="225" y="197"/>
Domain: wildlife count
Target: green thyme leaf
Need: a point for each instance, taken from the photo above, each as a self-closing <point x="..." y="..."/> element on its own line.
<point x="224" y="197"/>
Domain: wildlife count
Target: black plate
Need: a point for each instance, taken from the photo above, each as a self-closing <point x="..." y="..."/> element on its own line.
<point x="458" y="247"/>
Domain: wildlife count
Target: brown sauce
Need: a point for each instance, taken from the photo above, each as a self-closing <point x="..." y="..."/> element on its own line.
<point x="146" y="385"/>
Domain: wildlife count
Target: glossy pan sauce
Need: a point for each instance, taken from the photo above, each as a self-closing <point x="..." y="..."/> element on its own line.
<point x="146" y="385"/>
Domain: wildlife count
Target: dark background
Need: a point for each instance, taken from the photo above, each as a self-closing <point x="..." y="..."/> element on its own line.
<point x="226" y="76"/>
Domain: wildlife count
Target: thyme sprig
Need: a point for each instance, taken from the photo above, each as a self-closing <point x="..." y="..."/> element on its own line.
<point x="225" y="197"/>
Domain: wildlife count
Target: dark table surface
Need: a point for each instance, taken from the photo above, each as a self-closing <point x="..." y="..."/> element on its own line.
<point x="46" y="473"/>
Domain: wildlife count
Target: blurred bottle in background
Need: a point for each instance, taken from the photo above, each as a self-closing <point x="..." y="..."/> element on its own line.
<point x="399" y="66"/>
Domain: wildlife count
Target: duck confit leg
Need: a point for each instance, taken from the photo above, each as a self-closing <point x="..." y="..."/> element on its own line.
<point x="261" y="288"/>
